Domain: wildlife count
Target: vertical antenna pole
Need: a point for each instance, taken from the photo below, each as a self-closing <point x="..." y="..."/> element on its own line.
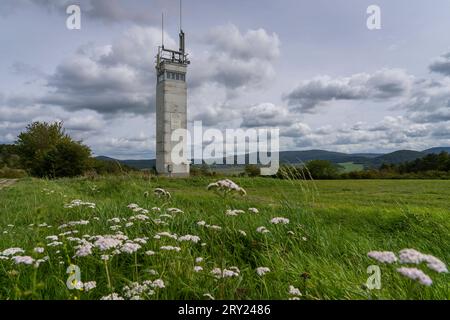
<point x="162" y="29"/>
<point x="181" y="15"/>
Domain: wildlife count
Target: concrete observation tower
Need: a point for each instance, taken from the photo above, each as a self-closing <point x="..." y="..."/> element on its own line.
<point x="171" y="105"/>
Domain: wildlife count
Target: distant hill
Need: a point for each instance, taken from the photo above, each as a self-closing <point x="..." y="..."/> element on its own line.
<point x="437" y="150"/>
<point x="137" y="164"/>
<point x="397" y="157"/>
<point x="296" y="157"/>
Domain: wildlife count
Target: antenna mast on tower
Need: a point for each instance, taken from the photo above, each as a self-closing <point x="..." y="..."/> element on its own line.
<point x="162" y="30"/>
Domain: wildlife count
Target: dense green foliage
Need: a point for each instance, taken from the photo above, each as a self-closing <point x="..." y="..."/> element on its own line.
<point x="45" y="150"/>
<point x="334" y="225"/>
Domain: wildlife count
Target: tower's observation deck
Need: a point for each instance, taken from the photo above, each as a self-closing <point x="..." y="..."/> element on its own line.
<point x="171" y="107"/>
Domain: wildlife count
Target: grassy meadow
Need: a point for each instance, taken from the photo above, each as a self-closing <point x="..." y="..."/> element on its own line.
<point x="322" y="251"/>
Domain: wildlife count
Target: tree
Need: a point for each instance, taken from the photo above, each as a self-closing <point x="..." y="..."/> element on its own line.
<point x="322" y="169"/>
<point x="252" y="170"/>
<point x="46" y="150"/>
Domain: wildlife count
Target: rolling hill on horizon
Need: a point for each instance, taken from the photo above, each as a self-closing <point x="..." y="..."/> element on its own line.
<point x="296" y="157"/>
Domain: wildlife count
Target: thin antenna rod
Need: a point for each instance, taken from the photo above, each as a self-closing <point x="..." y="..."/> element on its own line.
<point x="181" y="15"/>
<point x="162" y="29"/>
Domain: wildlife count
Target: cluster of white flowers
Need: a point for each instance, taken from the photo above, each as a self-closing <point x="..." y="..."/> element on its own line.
<point x="84" y="249"/>
<point x="74" y="223"/>
<point x="79" y="203"/>
<point x="11" y="251"/>
<point x="208" y="226"/>
<point x="114" y="220"/>
<point x="226" y="273"/>
<point x="39" y="250"/>
<point x="234" y="213"/>
<point x="262" y="230"/>
<point x="383" y="256"/>
<point x="140" y="217"/>
<point x="279" y="220"/>
<point x="253" y="210"/>
<point x="262" y="271"/>
<point x="112" y="296"/>
<point x="130" y="247"/>
<point x="149" y="253"/>
<point x="23" y="260"/>
<point x="136" y="208"/>
<point x="171" y="248"/>
<point x="416" y="274"/>
<point x="88" y="286"/>
<point x="411" y="256"/>
<point x="294" y="292"/>
<point x="137" y="291"/>
<point x="174" y="210"/>
<point x="226" y="186"/>
<point x="243" y="233"/>
<point x="188" y="237"/>
<point x="416" y="257"/>
<point x="161" y="193"/>
<point x="165" y="234"/>
<point x="107" y="242"/>
<point x="198" y="268"/>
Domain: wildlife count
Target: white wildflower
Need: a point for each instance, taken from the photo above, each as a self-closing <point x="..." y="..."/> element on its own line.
<point x="253" y="210"/>
<point x="262" y="271"/>
<point x="279" y="220"/>
<point x="171" y="248"/>
<point x="88" y="286"/>
<point x="23" y="260"/>
<point x="194" y="239"/>
<point x="242" y="232"/>
<point x="130" y="247"/>
<point x="198" y="260"/>
<point x="262" y="230"/>
<point x="416" y="274"/>
<point x="294" y="291"/>
<point x="198" y="268"/>
<point x="12" y="251"/>
<point x="383" y="256"/>
<point x="113" y="296"/>
<point x="150" y="253"/>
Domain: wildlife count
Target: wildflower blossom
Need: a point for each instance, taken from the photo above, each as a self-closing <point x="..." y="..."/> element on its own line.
<point x="112" y="296"/>
<point x="140" y="217"/>
<point x="171" y="248"/>
<point x="294" y="291"/>
<point x="88" y="286"/>
<point x="129" y="224"/>
<point x="130" y="247"/>
<point x="233" y="213"/>
<point x="52" y="238"/>
<point x="84" y="250"/>
<point x="79" y="203"/>
<point x="226" y="186"/>
<point x="161" y="193"/>
<point x="383" y="256"/>
<point x="12" y="251"/>
<point x="107" y="242"/>
<point x="435" y="264"/>
<point x="416" y="274"/>
<point x="165" y="234"/>
<point x="411" y="256"/>
<point x="243" y="233"/>
<point x="253" y="210"/>
<point x="132" y="206"/>
<point x="174" y="210"/>
<point x="198" y="260"/>
<point x="201" y="223"/>
<point x="198" y="268"/>
<point x="105" y="257"/>
<point x="149" y="253"/>
<point x="262" y="271"/>
<point x="23" y="260"/>
<point x="194" y="239"/>
<point x="262" y="230"/>
<point x="114" y="220"/>
<point x="279" y="220"/>
<point x="225" y="273"/>
<point x="54" y="244"/>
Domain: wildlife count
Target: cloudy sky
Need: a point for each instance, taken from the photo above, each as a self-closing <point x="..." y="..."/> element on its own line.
<point x="310" y="68"/>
